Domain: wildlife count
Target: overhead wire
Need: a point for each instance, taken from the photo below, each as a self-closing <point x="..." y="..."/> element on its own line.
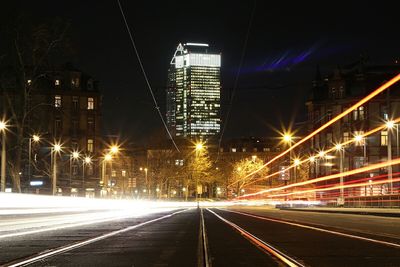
<point x="225" y="122"/>
<point x="157" y="107"/>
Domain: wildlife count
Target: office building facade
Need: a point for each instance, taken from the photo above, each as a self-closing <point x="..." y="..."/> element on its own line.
<point x="193" y="92"/>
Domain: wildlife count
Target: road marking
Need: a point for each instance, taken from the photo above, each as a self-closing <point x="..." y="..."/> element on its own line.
<point x="318" y="229"/>
<point x="289" y="261"/>
<point x="62" y="226"/>
<point x="53" y="252"/>
<point x="205" y="240"/>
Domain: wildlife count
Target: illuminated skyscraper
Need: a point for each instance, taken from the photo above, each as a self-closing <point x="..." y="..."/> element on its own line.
<point x="193" y="93"/>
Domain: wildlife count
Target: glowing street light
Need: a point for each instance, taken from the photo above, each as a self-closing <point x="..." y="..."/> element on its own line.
<point x="3" y="125"/>
<point x="57" y="147"/>
<point x="287" y="138"/>
<point x="36" y="138"/>
<point x="114" y="149"/>
<point x="390" y="124"/>
<point x="107" y="157"/>
<point x="321" y="154"/>
<point x="88" y="160"/>
<point x="311" y="159"/>
<point x="75" y="155"/>
<point x="338" y="147"/>
<point x="358" y="138"/>
<point x="296" y="162"/>
<point x="3" y="128"/>
<point x="199" y="146"/>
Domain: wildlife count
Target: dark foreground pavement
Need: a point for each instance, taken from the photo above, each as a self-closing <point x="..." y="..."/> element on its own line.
<point x="176" y="240"/>
<point x="315" y="248"/>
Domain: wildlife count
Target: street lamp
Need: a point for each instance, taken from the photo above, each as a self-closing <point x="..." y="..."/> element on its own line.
<point x="361" y="141"/>
<point x="3" y="128"/>
<point x="114" y="149"/>
<point x="288" y="139"/>
<point x="296" y="163"/>
<point x="147" y="183"/>
<point x="55" y="149"/>
<point x="35" y="138"/>
<point x="86" y="160"/>
<point x="339" y="148"/>
<point x="390" y="125"/>
<point x="107" y="157"/>
<point x="199" y="148"/>
<point x="74" y="156"/>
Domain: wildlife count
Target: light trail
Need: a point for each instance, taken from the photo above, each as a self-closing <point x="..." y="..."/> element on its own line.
<point x="328" y="177"/>
<point x="336" y="187"/>
<point x="24" y="214"/>
<point x="315" y="156"/>
<point x="289" y="261"/>
<point x="321" y="128"/>
<point x="53" y="252"/>
<point x="381" y="242"/>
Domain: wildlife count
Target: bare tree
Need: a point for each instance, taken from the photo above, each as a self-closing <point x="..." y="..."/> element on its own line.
<point x="29" y="56"/>
<point x="242" y="168"/>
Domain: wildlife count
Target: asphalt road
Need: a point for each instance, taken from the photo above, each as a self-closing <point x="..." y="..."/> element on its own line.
<point x="316" y="248"/>
<point x="376" y="225"/>
<point x="174" y="238"/>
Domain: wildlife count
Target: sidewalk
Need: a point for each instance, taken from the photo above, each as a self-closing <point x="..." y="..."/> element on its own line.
<point x="387" y="212"/>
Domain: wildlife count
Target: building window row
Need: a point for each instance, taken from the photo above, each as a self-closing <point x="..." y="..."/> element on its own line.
<point x="75" y="102"/>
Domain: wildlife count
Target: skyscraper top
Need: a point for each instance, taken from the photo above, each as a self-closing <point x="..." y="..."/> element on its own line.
<point x="196" y="44"/>
<point x="195" y="54"/>
<point x="194" y="90"/>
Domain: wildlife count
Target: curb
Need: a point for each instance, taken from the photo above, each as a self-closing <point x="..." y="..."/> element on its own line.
<point x="372" y="213"/>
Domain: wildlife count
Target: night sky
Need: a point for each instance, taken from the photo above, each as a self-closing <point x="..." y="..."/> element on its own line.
<point x="287" y="40"/>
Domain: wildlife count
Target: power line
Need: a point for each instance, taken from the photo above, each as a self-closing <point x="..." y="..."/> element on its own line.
<point x="225" y="123"/>
<point x="145" y="75"/>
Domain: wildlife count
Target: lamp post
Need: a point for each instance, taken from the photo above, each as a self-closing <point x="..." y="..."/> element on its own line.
<point x="362" y="141"/>
<point x="198" y="149"/>
<point x="397" y="140"/>
<point x="73" y="156"/>
<point x="3" y="128"/>
<point x="339" y="148"/>
<point x="87" y="160"/>
<point x="389" y="126"/>
<point x="107" y="157"/>
<point x="296" y="164"/>
<point x="146" y="181"/>
<point x="35" y="138"/>
<point x="55" y="149"/>
<point x="288" y="138"/>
